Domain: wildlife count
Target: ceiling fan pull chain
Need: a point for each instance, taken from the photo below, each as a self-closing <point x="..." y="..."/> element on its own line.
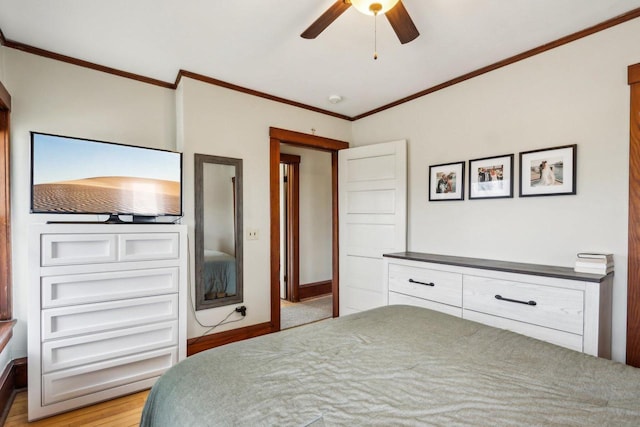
<point x="375" y="36"/>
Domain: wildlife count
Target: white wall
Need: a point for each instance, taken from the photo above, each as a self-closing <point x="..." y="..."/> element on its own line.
<point x="59" y="98"/>
<point x="315" y="214"/>
<point x="576" y="93"/>
<point x="223" y="122"/>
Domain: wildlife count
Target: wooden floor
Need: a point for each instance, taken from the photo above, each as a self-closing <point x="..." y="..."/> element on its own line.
<point x="124" y="411"/>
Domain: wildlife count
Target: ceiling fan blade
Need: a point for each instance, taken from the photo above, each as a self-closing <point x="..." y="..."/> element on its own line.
<point x="325" y="19"/>
<point x="402" y="24"/>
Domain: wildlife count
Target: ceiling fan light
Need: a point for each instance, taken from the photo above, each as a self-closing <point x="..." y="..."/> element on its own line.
<point x="364" y="6"/>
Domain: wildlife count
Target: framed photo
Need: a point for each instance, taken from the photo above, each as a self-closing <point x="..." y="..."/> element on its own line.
<point x="491" y="177"/>
<point x="548" y="172"/>
<point x="446" y="182"/>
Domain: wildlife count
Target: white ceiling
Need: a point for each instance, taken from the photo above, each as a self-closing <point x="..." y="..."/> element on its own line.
<point x="256" y="43"/>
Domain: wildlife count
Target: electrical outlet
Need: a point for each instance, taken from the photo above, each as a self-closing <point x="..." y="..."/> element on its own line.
<point x="252" y="234"/>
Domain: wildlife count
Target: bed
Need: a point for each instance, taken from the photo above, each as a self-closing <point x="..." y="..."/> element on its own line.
<point x="219" y="272"/>
<point x="391" y="366"/>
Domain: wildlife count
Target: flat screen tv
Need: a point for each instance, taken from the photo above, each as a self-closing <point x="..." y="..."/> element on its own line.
<point x="82" y="176"/>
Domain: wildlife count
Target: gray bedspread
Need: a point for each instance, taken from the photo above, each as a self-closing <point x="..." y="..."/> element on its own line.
<point x="393" y="366"/>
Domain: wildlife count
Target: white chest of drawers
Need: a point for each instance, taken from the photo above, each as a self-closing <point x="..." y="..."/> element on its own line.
<point x="553" y="304"/>
<point x="107" y="311"/>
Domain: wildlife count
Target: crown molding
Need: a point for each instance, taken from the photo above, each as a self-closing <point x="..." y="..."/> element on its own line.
<point x="633" y="14"/>
<point x="182" y="73"/>
<point x="86" y="64"/>
<point x="216" y="82"/>
<point x="516" y="58"/>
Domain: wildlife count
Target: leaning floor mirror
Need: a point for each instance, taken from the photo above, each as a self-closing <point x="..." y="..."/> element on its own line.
<point x="218" y="241"/>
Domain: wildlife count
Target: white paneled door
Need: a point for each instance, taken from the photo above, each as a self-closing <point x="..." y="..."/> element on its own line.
<point x="372" y="198"/>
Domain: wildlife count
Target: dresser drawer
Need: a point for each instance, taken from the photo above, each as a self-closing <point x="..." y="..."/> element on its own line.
<point x="74" y="249"/>
<point x="547" y="306"/>
<point x="439" y="286"/>
<point x="91" y="318"/>
<point x="396" y="298"/>
<point x="554" y="336"/>
<point x="148" y="246"/>
<point x="58" y="291"/>
<point x="76" y="382"/>
<point x="76" y="351"/>
<point x="70" y="249"/>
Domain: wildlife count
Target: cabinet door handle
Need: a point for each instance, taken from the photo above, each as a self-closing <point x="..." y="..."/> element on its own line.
<point x="501" y="298"/>
<point x="421" y="283"/>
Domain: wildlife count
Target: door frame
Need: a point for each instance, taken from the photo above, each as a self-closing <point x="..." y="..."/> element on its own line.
<point x="633" y="253"/>
<point x="279" y="136"/>
<point x="292" y="224"/>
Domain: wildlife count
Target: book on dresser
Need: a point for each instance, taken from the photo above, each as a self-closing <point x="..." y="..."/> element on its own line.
<point x="594" y="263"/>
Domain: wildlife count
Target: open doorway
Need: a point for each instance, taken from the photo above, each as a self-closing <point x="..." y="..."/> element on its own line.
<point x="305" y="236"/>
<point x="277" y="137"/>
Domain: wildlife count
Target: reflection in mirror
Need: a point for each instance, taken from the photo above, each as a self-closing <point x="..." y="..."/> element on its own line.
<point x="218" y="243"/>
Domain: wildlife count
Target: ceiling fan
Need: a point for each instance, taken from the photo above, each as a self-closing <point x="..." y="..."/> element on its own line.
<point x="394" y="10"/>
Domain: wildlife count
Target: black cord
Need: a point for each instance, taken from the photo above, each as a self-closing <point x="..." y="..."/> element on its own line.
<point x="222" y="322"/>
<point x="193" y="309"/>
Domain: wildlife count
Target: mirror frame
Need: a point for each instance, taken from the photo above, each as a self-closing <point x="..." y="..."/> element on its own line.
<point x="199" y="161"/>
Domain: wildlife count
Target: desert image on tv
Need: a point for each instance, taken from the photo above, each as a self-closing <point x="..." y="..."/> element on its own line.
<point x="108" y="194"/>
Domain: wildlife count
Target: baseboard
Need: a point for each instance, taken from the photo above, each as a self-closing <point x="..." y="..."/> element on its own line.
<point x="196" y="345"/>
<point x="14" y="378"/>
<point x="315" y="289"/>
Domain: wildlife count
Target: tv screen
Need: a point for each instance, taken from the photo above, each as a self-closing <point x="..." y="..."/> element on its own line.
<point x="82" y="176"/>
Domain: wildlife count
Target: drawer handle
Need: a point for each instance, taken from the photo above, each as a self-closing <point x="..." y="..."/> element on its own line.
<point x="501" y="298"/>
<point x="421" y="283"/>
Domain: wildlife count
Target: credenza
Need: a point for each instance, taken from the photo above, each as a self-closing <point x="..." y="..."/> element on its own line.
<point x="553" y="304"/>
<point x="107" y="311"/>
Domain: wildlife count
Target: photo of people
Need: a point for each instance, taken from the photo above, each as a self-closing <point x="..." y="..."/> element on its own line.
<point x="490" y="177"/>
<point x="546" y="172"/>
<point x="446" y="182"/>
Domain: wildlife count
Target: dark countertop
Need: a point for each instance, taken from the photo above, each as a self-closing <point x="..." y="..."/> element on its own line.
<point x="510" y="267"/>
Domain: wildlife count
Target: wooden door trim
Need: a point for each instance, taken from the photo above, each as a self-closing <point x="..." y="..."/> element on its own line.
<point x="306" y="140"/>
<point x="335" y="277"/>
<point x="633" y="272"/>
<point x="293" y="225"/>
<point x="634" y="74"/>
<point x="5" y="209"/>
<point x="278" y="136"/>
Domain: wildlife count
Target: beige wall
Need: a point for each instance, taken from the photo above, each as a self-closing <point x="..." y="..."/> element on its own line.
<point x="55" y="97"/>
<point x="576" y="93"/>
<point x="222" y="122"/>
<point x="2" y="50"/>
<point x="573" y="94"/>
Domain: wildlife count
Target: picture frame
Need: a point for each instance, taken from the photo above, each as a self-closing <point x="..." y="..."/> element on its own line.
<point x="446" y="182"/>
<point x="491" y="177"/>
<point x="549" y="171"/>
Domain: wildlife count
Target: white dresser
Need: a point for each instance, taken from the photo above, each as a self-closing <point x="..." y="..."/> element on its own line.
<point x="553" y="304"/>
<point x="107" y="311"/>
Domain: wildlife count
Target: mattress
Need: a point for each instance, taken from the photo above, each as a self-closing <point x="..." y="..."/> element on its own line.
<point x="394" y="366"/>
